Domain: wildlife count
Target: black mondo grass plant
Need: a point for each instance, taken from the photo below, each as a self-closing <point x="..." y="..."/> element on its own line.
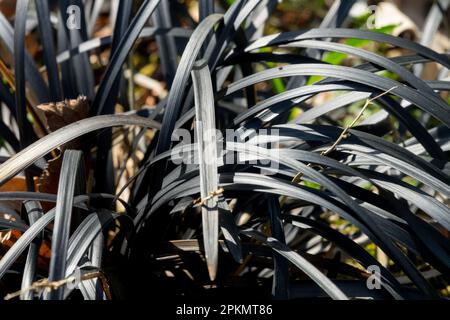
<point x="194" y="149"/>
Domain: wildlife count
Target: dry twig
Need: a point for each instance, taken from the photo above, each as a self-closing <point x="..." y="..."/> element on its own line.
<point x="211" y="195"/>
<point x="45" y="284"/>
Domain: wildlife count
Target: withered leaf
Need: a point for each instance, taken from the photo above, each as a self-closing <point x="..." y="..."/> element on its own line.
<point x="48" y="181"/>
<point x="8" y="7"/>
<point x="58" y="115"/>
<point x="8" y="240"/>
<point x="15" y="184"/>
<point x="65" y="112"/>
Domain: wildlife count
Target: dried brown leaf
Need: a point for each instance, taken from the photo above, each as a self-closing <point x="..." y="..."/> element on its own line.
<point x="62" y="113"/>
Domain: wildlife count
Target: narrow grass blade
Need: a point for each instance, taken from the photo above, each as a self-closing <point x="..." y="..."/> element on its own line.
<point x="28" y="156"/>
<point x="71" y="183"/>
<point x="34" y="211"/>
